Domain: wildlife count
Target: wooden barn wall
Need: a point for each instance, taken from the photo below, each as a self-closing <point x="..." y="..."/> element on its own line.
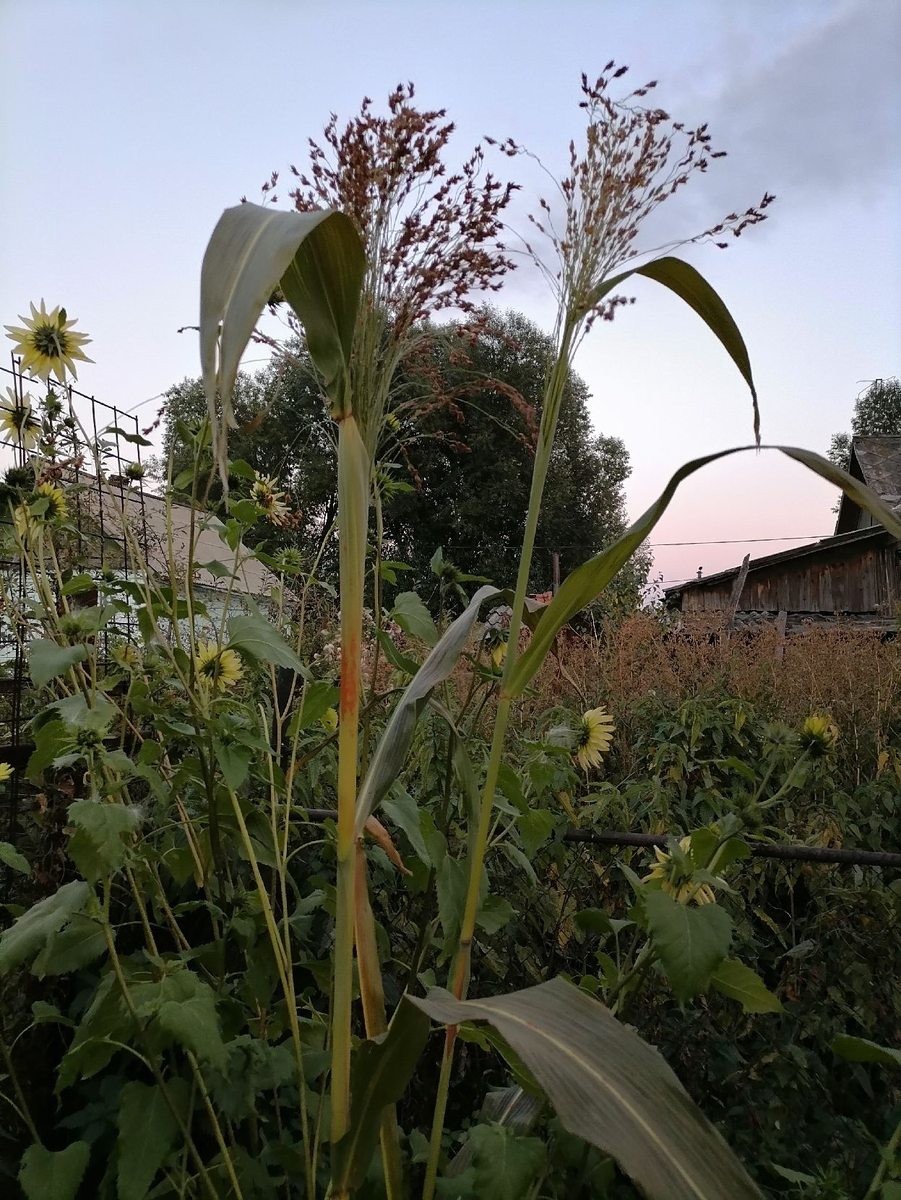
<point x="868" y="582"/>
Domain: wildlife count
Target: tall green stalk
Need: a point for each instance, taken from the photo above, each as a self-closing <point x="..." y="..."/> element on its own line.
<point x="553" y="397"/>
<point x="353" y="510"/>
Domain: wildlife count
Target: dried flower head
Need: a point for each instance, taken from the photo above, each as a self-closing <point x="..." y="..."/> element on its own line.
<point x="268" y="499"/>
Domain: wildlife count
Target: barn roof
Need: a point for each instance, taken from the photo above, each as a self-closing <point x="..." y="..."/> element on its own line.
<point x="876" y="461"/>
<point x="823" y="546"/>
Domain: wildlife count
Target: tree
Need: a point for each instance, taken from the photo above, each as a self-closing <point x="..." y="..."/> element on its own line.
<point x="471" y="451"/>
<point x="877" y="413"/>
<point x="459" y="440"/>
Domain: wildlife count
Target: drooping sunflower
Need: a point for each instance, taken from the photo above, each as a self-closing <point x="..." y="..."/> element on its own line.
<point x="676" y="880"/>
<point x="5" y="771"/>
<point x="819" y="735"/>
<point x="57" y="508"/>
<point x="594" y="737"/>
<point x="264" y="494"/>
<point x="217" y="667"/>
<point x="16" y="421"/>
<point x="48" y="343"/>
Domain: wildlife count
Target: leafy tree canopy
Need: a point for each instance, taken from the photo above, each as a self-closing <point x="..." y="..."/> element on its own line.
<point x="456" y="455"/>
<point x="877" y="413"/>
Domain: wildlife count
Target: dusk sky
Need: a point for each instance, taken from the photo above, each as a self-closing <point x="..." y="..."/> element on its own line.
<point x="127" y="127"/>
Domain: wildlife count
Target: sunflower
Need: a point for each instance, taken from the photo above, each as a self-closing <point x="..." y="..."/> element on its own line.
<point x="819" y="734"/>
<point x="675" y="877"/>
<point x="593" y="737"/>
<point x="56" y="502"/>
<point x="264" y="495"/>
<point x="16" y="422"/>
<point x="217" y="667"/>
<point x="5" y="771"/>
<point x="48" y="343"/>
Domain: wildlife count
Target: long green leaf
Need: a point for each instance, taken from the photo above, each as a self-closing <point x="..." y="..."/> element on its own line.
<point x="392" y="749"/>
<point x="317" y="258"/>
<point x="30" y="932"/>
<point x="610" y="1088"/>
<point x="587" y="581"/>
<point x="691" y="286"/>
<point x="381" y="1070"/>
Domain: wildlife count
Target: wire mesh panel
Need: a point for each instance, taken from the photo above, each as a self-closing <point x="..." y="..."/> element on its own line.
<point x="93" y="450"/>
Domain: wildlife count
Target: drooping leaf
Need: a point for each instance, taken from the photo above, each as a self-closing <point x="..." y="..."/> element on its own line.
<point x="691" y="940"/>
<point x="691" y="286"/>
<point x="403" y="810"/>
<point x="80" y="942"/>
<point x="193" y="1021"/>
<point x="586" y="582"/>
<point x="381" y="1069"/>
<point x="317" y="258"/>
<point x="99" y="844"/>
<point x="413" y="617"/>
<point x="320" y="695"/>
<point x="535" y="827"/>
<point x="395" y="741"/>
<point x="400" y="662"/>
<point x="11" y="858"/>
<point x="30" y="932"/>
<point x="858" y="1049"/>
<point x="506" y="1165"/>
<point x="147" y="1131"/>
<point x="253" y="635"/>
<point x="739" y="982"/>
<point x="53" y="1174"/>
<point x="610" y="1088"/>
<point x="233" y="760"/>
<point x="47" y="660"/>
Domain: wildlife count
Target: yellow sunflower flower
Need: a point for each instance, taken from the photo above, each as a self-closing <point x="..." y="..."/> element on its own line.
<point x="674" y="880"/>
<point x="48" y="343"/>
<point x="56" y="508"/>
<point x="5" y="771"/>
<point x="819" y="734"/>
<point x="498" y="654"/>
<point x="264" y="494"/>
<point x="16" y="422"/>
<point x="217" y="667"/>
<point x="594" y="737"/>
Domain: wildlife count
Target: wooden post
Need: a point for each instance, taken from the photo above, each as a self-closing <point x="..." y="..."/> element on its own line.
<point x="555" y="561"/>
<point x="737" y="589"/>
<point x="781" y="623"/>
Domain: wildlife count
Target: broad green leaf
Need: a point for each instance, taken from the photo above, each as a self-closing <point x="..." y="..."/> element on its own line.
<point x="858" y="1049"/>
<point x="11" y="857"/>
<point x="47" y="660"/>
<point x="494" y="914"/>
<point x="147" y="1131"/>
<point x="413" y="617"/>
<point x="395" y="741"/>
<point x="255" y="636"/>
<point x="79" y="943"/>
<point x="318" y="698"/>
<point x="30" y="932"/>
<point x="99" y="845"/>
<point x="739" y="982"/>
<point x="233" y="761"/>
<point x="451" y="880"/>
<point x="610" y="1088"/>
<point x="381" y="1069"/>
<point x="404" y="812"/>
<point x="77" y="584"/>
<point x="535" y="827"/>
<point x="400" y="662"/>
<point x="691" y="940"/>
<point x="53" y="1174"/>
<point x="594" y="921"/>
<point x="317" y="258"/>
<point x="506" y="1166"/>
<point x="194" y="1023"/>
<point x="586" y="582"/>
<point x="49" y="741"/>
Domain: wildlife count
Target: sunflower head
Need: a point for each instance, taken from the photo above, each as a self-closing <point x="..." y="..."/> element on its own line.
<point x="48" y="344"/>
<point x="594" y="737"/>
<point x="17" y="423"/>
<point x="5" y="771"/>
<point x="56" y="508"/>
<point x="819" y="735"/>
<point x="674" y="872"/>
<point x="217" y="667"/>
<point x="270" y="501"/>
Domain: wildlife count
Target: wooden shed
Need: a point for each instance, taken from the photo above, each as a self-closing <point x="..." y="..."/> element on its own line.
<point x="853" y="577"/>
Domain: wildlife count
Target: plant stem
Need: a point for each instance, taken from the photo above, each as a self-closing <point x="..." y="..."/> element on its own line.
<point x="886" y="1161"/>
<point x="353" y="509"/>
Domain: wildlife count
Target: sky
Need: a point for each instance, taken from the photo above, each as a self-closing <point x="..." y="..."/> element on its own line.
<point x="127" y="126"/>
